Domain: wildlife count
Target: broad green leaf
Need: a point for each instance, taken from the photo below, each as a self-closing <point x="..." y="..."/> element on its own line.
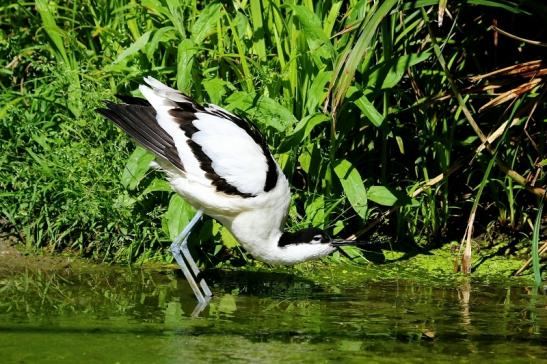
<point x="157" y="185"/>
<point x="317" y="91"/>
<point x="301" y="131"/>
<point x="318" y="41"/>
<point x="124" y="201"/>
<point x="371" y="113"/>
<point x="262" y="109"/>
<point x="162" y="35"/>
<point x="388" y="74"/>
<point x="154" y="6"/>
<point x="315" y="212"/>
<point x="134" y="48"/>
<point x="228" y="240"/>
<point x="282" y="159"/>
<point x="381" y="195"/>
<point x="305" y="158"/>
<point x="215" y="88"/>
<point x="353" y="187"/>
<point x="176" y="16"/>
<point x="178" y="215"/>
<point x="206" y="23"/>
<point x="338" y="226"/>
<point x="136" y="167"/>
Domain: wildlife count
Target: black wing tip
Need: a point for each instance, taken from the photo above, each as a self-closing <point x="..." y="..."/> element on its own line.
<point x="105" y="111"/>
<point x="132" y="100"/>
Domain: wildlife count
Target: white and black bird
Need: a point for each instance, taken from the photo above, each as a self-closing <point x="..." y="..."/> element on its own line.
<point x="221" y="165"/>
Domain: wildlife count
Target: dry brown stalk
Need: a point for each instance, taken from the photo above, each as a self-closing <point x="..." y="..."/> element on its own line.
<point x="521" y="68"/>
<point x="511" y="94"/>
<point x="507" y="34"/>
<point x="497" y="133"/>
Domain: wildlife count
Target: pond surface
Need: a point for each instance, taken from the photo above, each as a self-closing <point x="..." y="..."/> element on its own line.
<point x="142" y="316"/>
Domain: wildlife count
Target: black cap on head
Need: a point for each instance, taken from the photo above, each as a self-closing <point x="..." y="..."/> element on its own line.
<point x="305" y="236"/>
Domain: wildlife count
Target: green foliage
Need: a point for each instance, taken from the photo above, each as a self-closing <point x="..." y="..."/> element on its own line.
<point x="349" y="96"/>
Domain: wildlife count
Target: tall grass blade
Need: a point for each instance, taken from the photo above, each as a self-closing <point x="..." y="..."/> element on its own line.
<point x="535" y="244"/>
<point x="53" y="31"/>
<point x="259" y="43"/>
<point x="353" y="59"/>
<point x="207" y="22"/>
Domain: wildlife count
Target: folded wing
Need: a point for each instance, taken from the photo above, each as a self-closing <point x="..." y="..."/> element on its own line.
<point x="207" y="144"/>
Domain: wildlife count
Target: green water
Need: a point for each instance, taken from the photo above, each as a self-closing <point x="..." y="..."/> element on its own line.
<point x="142" y="316"/>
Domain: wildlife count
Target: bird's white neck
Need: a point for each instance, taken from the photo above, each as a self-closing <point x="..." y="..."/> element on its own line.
<point x="263" y="243"/>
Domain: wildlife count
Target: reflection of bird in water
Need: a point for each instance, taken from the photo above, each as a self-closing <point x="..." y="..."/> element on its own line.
<point x="221" y="165"/>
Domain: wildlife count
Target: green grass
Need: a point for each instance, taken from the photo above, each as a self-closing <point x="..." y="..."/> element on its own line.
<point x="361" y="102"/>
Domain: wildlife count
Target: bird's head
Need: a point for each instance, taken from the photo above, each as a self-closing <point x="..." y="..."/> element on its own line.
<point x="309" y="244"/>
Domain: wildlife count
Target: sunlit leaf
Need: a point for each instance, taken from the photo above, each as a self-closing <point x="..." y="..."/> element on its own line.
<point x="52" y="29"/>
<point x="318" y="90"/>
<point x="368" y="109"/>
<point x="134" y="47"/>
<point x="178" y="215"/>
<point x="162" y="35"/>
<point x="315" y="211"/>
<point x="262" y="109"/>
<point x="302" y="131"/>
<point x="185" y="62"/>
<point x="216" y="89"/>
<point x="353" y="187"/>
<point x="136" y="167"/>
<point x="388" y="74"/>
<point x="259" y="45"/>
<point x="206" y="23"/>
<point x="317" y="40"/>
<point x="228" y="240"/>
<point x="354" y="54"/>
<point x="381" y="195"/>
<point x="157" y="185"/>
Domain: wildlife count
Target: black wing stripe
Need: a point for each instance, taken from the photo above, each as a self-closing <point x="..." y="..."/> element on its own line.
<point x="254" y="133"/>
<point x="139" y="122"/>
<point x="185" y="119"/>
<point x="138" y="119"/>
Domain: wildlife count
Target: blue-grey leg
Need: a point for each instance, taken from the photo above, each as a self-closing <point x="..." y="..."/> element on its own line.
<point x="180" y="251"/>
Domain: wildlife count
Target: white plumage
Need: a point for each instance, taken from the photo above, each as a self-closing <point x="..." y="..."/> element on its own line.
<point x="222" y="166"/>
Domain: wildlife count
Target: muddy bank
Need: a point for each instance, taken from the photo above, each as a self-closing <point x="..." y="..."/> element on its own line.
<point x="13" y="260"/>
<point x="436" y="265"/>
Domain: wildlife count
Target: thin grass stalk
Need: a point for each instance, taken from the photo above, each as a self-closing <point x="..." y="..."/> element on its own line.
<point x="535" y="245"/>
<point x="467" y="252"/>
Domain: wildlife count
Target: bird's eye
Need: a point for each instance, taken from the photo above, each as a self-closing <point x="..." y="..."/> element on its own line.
<point x="317" y="238"/>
